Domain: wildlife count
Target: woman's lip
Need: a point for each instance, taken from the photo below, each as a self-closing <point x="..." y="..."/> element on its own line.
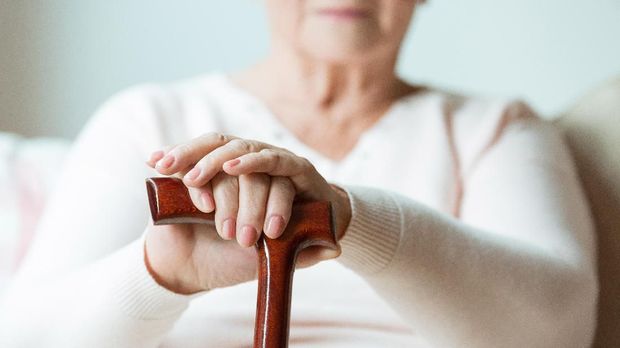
<point x="344" y="13"/>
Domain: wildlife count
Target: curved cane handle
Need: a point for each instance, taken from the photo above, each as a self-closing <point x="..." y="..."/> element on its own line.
<point x="310" y="225"/>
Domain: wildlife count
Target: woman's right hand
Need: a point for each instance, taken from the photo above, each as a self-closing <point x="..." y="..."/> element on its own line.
<point x="189" y="258"/>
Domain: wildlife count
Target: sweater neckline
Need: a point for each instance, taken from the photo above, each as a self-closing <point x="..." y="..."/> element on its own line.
<point x="360" y="148"/>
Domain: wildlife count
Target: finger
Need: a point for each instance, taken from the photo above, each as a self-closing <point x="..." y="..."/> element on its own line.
<point x="154" y="158"/>
<point x="158" y="155"/>
<point x="212" y="163"/>
<point x="279" y="204"/>
<point x="226" y="196"/>
<point x="275" y="162"/>
<point x="253" y="194"/>
<point x="280" y="162"/>
<point x="202" y="197"/>
<point x="188" y="153"/>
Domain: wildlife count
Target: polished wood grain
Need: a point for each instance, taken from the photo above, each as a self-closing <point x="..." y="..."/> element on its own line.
<point x="310" y="225"/>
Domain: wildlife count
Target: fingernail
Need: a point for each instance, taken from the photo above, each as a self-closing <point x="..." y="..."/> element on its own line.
<point x="207" y="201"/>
<point x="233" y="163"/>
<point x="193" y="174"/>
<point x="247" y="236"/>
<point x="275" y="225"/>
<point x="156" y="156"/>
<point x="166" y="162"/>
<point x="228" y="229"/>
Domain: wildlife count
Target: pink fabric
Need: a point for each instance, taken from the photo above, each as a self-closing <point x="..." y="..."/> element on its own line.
<point x="28" y="169"/>
<point x="31" y="195"/>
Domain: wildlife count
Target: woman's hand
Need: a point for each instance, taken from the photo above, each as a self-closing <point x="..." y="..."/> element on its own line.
<point x="251" y="186"/>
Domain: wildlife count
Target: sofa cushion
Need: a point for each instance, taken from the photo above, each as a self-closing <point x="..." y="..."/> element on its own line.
<point x="28" y="170"/>
<point x="593" y="133"/>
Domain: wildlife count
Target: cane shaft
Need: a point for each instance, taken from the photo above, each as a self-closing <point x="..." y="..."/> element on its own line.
<point x="309" y="225"/>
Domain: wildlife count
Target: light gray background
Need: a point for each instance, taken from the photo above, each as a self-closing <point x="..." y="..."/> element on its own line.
<point x="60" y="59"/>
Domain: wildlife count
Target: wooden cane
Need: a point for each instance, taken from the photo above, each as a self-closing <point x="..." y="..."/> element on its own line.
<point x="310" y="225"/>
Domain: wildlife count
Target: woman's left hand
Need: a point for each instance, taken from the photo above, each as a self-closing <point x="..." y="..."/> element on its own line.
<point x="199" y="160"/>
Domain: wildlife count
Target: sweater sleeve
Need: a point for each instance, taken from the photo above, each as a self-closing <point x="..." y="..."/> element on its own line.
<point x="84" y="282"/>
<point x="515" y="269"/>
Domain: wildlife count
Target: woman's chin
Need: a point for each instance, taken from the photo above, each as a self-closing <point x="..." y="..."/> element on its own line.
<point x="340" y="52"/>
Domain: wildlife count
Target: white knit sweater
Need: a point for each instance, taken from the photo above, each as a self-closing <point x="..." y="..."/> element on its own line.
<point x="469" y="229"/>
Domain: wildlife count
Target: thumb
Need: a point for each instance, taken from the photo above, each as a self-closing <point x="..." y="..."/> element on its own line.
<point x="316" y="254"/>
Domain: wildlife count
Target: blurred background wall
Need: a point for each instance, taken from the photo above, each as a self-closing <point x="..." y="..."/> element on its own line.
<point x="60" y="59"/>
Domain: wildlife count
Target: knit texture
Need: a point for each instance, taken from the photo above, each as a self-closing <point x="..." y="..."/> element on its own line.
<point x="377" y="220"/>
<point x="469" y="228"/>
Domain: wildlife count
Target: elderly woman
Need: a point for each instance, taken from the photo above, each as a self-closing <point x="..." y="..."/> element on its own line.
<point x="460" y="221"/>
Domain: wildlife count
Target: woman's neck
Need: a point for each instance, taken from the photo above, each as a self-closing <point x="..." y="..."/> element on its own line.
<point x="327" y="106"/>
<point x="337" y="89"/>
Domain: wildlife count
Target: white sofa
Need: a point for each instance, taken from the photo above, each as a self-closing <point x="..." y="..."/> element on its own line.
<point x="28" y="169"/>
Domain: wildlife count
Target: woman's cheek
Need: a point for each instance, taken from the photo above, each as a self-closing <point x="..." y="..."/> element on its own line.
<point x="285" y="18"/>
<point x="394" y="19"/>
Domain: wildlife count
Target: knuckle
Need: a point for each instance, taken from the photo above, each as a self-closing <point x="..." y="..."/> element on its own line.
<point x="306" y="165"/>
<point x="183" y="150"/>
<point x="213" y="138"/>
<point x="242" y="145"/>
<point x="235" y="143"/>
<point x="266" y="152"/>
<point x="220" y="138"/>
<point x="274" y="157"/>
<point x="270" y="154"/>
